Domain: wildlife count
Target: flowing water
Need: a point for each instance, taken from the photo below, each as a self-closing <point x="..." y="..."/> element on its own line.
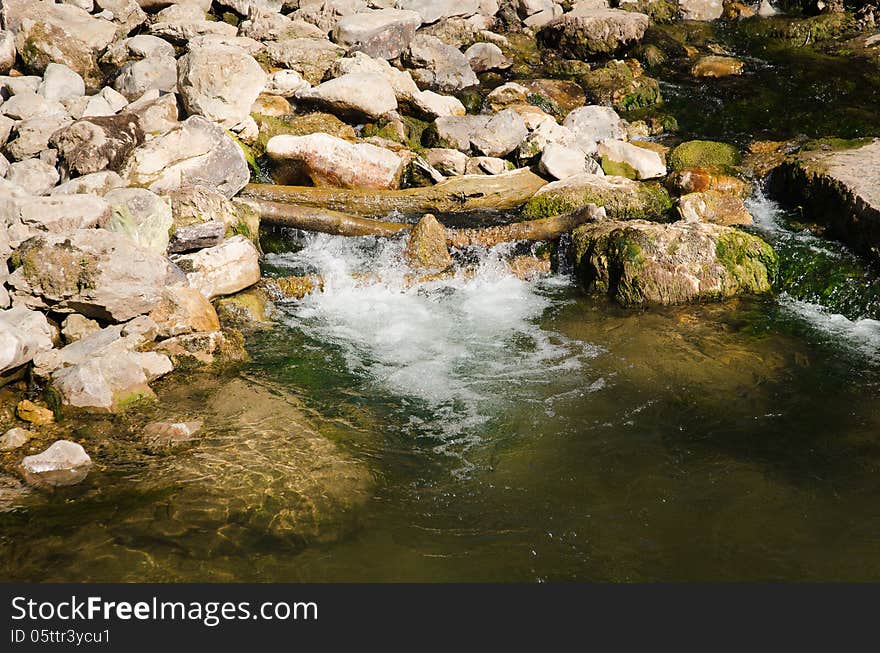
<point x="483" y="427"/>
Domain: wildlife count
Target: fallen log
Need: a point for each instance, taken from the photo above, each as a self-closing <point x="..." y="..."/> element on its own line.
<point x="341" y="224"/>
<point x="509" y="190"/>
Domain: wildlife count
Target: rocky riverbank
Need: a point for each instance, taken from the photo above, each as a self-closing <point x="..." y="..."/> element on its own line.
<point x="131" y="132"/>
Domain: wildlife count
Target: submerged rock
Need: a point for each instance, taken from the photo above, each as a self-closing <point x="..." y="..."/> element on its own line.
<point x="15" y="438"/>
<point x="638" y="262"/>
<point x="716" y="66"/>
<point x="623" y="199"/>
<point x="164" y="435"/>
<point x="28" y="411"/>
<point x="63" y="463"/>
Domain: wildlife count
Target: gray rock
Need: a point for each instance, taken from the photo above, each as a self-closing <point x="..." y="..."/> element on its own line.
<point x="63" y="463"/>
<point x="27" y="104"/>
<point x="486" y="56"/>
<point x="127" y="14"/>
<point x="157" y="112"/>
<point x="97" y="183"/>
<point x="439" y="66"/>
<point x="485" y="165"/>
<point x="501" y="135"/>
<point x="63" y="34"/>
<point x="592" y="124"/>
<point x="137" y="77"/>
<point x="23" y="335"/>
<point x="456" y="132"/>
<point x="7" y="51"/>
<point x="142" y="46"/>
<point x="60" y="82"/>
<point x="585" y="32"/>
<point x="331" y="161"/>
<point x="141" y="215"/>
<point x="76" y="327"/>
<point x="286" y="83"/>
<point x="222" y="270"/>
<point x="97" y="143"/>
<point x="163" y="435"/>
<point x="310" y="57"/>
<point x="59" y="213"/>
<point x="219" y="82"/>
<point x="33" y="175"/>
<point x="646" y="164"/>
<point x="447" y="161"/>
<point x="95" y="272"/>
<point x="326" y="13"/>
<point x="701" y="9"/>
<point x="385" y="33"/>
<point x="561" y="162"/>
<point x="197" y="152"/>
<point x="355" y="94"/>
<point x="433" y="10"/>
<point x="182" y="22"/>
<point x="32" y="136"/>
<point x="201" y="216"/>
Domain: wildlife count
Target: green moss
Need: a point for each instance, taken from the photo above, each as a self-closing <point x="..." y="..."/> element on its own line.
<point x="621" y="86"/>
<point x="835" y="144"/>
<point x="544" y="103"/>
<point x="645" y="201"/>
<point x="749" y="261"/>
<point x="704" y="154"/>
<point x="660" y="11"/>
<point x="618" y="168"/>
<point x="799" y="31"/>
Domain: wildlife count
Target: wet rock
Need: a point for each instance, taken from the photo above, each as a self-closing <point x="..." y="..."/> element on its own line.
<point x="142" y="216"/>
<point x="331" y="161"/>
<point x="219" y="82"/>
<point x="622" y="85"/>
<point x="593" y="124"/>
<point x="201" y="216"/>
<point x="198" y="350"/>
<point x="63" y="463"/>
<point x="76" y="327"/>
<point x="627" y="160"/>
<point x="698" y="180"/>
<point x="486" y="56"/>
<point x="33" y="175"/>
<point x="638" y="262"/>
<point x="838" y="185"/>
<point x="95" y="272"/>
<point x="501" y="134"/>
<point x="704" y="154"/>
<point x="222" y="270"/>
<point x="157" y="72"/>
<point x="23" y="335"/>
<point x="715" y="207"/>
<point x="356" y="94"/>
<point x="183" y="310"/>
<point x="585" y="32"/>
<point x="623" y="199"/>
<point x="60" y="82"/>
<point x="439" y="66"/>
<point x="15" y="438"/>
<point x="716" y="66"/>
<point x="384" y="33"/>
<point x="166" y="435"/>
<point x="58" y="214"/>
<point x="249" y="309"/>
<point x="63" y="34"/>
<point x="310" y="57"/>
<point x="701" y="9"/>
<point x="426" y="249"/>
<point x="197" y="152"/>
<point x="32" y="136"/>
<point x="557" y="97"/>
<point x="94" y="144"/>
<point x="28" y="411"/>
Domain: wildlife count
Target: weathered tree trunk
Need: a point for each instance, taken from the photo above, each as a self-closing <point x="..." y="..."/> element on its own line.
<point x="340" y="224"/>
<point x="467" y="193"/>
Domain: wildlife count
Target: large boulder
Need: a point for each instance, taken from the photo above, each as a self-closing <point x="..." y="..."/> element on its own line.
<point x="838" y="187"/>
<point x="65" y="34"/>
<point x="330" y="161"/>
<point x="94" y="144"/>
<point x="638" y="262"/>
<point x="222" y="270"/>
<point x="95" y="272"/>
<point x="23" y="335"/>
<point x="141" y="215"/>
<point x="219" y="82"/>
<point x="61" y="83"/>
<point x="32" y="136"/>
<point x="195" y="152"/>
<point x="501" y="134"/>
<point x="585" y="32"/>
<point x="592" y="124"/>
<point x="439" y="66"/>
<point x="384" y="33"/>
<point x="623" y="199"/>
<point x="355" y="94"/>
<point x="63" y="463"/>
<point x="157" y="72"/>
<point x="56" y="214"/>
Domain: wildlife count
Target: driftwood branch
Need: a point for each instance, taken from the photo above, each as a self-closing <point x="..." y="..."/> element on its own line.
<point x="466" y="193"/>
<point x="532" y="230"/>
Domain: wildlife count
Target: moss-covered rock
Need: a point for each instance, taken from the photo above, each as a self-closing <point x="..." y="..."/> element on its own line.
<point x="622" y="85"/>
<point x="251" y="308"/>
<point x="659" y="11"/>
<point x="638" y="262"/>
<point x="622" y="198"/>
<point x="302" y="125"/>
<point x="704" y="154"/>
<point x="799" y="31"/>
